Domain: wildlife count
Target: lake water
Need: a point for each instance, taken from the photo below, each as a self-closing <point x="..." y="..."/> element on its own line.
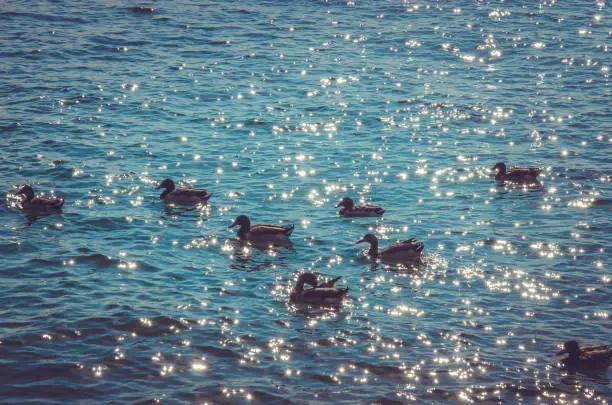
<point x="280" y="109"/>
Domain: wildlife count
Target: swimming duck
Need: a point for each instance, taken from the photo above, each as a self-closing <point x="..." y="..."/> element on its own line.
<point x="261" y="232"/>
<point x="516" y="174"/>
<point x="32" y="203"/>
<point x="349" y="209"/>
<point x="319" y="294"/>
<point x="400" y="252"/>
<point x="183" y="195"/>
<point x="586" y="358"/>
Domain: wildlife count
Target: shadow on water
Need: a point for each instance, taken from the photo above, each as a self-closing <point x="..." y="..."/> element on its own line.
<point x="598" y="375"/>
<point x="254" y="257"/>
<point x="176" y="211"/>
<point x="31" y="217"/>
<point x="531" y="190"/>
<point x="242" y="245"/>
<point x="309" y="311"/>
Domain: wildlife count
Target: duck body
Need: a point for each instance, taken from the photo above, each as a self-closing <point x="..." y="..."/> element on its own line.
<point x="182" y="195"/>
<point x="591" y="358"/>
<point x="37" y="204"/>
<point x="325" y="294"/>
<point x="261" y="232"/>
<point x="350" y="210"/>
<point x="400" y="252"/>
<point x="516" y="174"/>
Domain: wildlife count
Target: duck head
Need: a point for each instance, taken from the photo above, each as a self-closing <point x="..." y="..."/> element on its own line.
<point x="167" y="184"/>
<point x="572" y="348"/>
<point x="500" y="167"/>
<point x="305" y="278"/>
<point x="27" y="191"/>
<point x="373" y="241"/>
<point x="347" y="203"/>
<point x="245" y="224"/>
<point x="370" y="238"/>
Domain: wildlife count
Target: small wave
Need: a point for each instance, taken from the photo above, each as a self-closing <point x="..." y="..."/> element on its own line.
<point x="141" y="9"/>
<point x="602" y="202"/>
<point x="98" y="259"/>
<point x="102" y="261"/>
<point x="10" y="247"/>
<point x="266" y="398"/>
<point x="254" y="56"/>
<point x="387" y="401"/>
<point x="43" y="263"/>
<point x="104" y="224"/>
<point x="44" y="371"/>
<point x="45" y="17"/>
<point x="207" y="28"/>
<point x="9" y="127"/>
<point x="387" y="371"/>
<point x="217" y="351"/>
<point x="153" y="327"/>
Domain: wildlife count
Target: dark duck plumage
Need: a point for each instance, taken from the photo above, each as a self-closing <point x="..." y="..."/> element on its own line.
<point x="591" y="358"/>
<point x="349" y="209"/>
<point x="30" y="202"/>
<point x="261" y="232"/>
<point x="516" y="174"/>
<point x="400" y="252"/>
<point x="182" y="195"/>
<point x="323" y="294"/>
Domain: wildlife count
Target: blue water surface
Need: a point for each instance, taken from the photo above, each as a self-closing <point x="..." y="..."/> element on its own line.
<point x="280" y="109"/>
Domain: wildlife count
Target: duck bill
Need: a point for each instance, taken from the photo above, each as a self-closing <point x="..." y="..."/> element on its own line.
<point x="359" y="241"/>
<point x="233" y="224"/>
<point x="338" y="205"/>
<point x="158" y="187"/>
<point x="21" y="190"/>
<point x="561" y="352"/>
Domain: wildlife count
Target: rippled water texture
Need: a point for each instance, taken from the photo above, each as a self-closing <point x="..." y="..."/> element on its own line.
<point x="280" y="109"/>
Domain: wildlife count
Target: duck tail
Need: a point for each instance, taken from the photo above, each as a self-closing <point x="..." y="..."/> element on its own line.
<point x="289" y="229"/>
<point x="380" y="211"/>
<point x="207" y="196"/>
<point x="60" y="203"/>
<point x="419" y="246"/>
<point x="335" y="280"/>
<point x="330" y="283"/>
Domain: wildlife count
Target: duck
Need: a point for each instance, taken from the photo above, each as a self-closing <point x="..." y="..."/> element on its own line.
<point x="516" y="174"/>
<point x="400" y="252"/>
<point x="323" y="294"/>
<point x="349" y="209"/>
<point x="586" y="358"/>
<point x="261" y="232"/>
<point x="31" y="203"/>
<point x="182" y="195"/>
